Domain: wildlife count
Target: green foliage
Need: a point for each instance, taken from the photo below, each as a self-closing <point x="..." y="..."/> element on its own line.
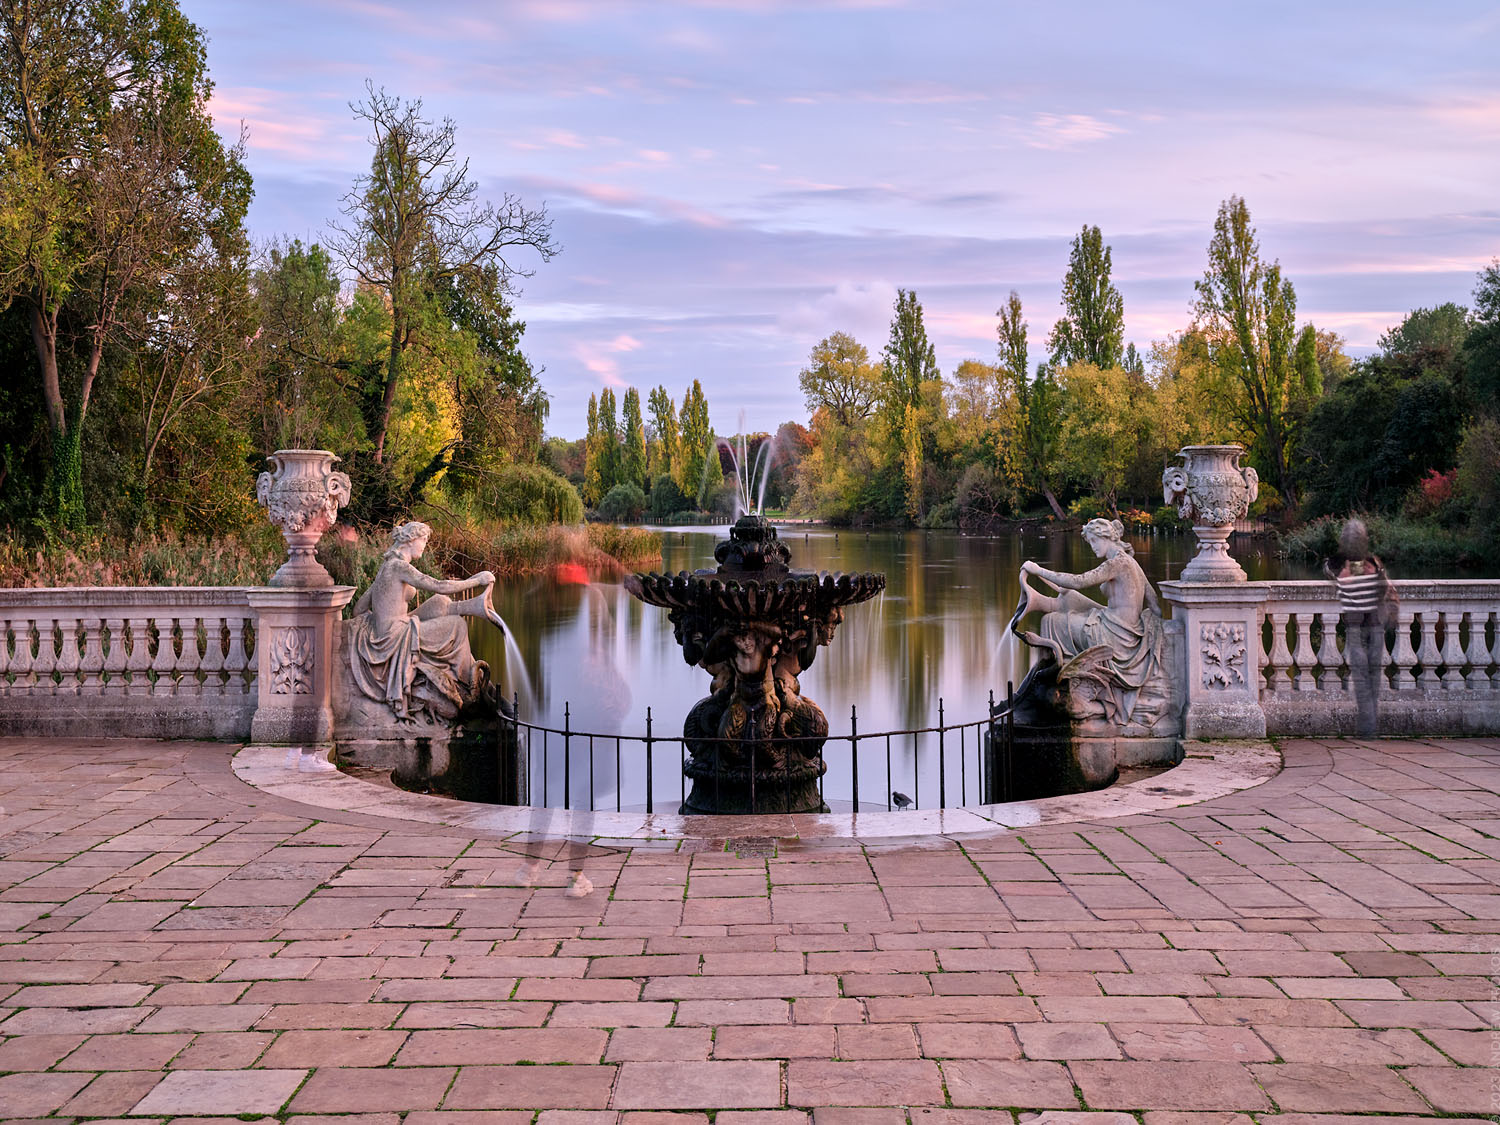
<point x="530" y="494"/>
<point x="1414" y="545"/>
<point x="1365" y="445"/>
<point x="667" y="499"/>
<point x="1247" y="313"/>
<point x="1092" y="327"/>
<point x="1444" y="327"/>
<point x="633" y="441"/>
<point x="1477" y="479"/>
<point x="839" y="378"/>
<point x="696" y="466"/>
<point x="1482" y="345"/>
<point x="623" y="503"/>
<point x="662" y="437"/>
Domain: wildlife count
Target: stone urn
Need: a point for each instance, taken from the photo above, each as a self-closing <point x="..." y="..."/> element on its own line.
<point x="1212" y="489"/>
<point x="302" y="495"/>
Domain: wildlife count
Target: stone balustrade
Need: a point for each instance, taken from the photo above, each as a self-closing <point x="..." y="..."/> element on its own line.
<point x="1442" y="660"/>
<point x="148" y="661"/>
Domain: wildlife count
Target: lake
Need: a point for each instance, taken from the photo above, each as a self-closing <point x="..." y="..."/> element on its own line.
<point x="933" y="636"/>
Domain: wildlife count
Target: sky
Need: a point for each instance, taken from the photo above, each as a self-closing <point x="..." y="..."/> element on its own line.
<point x="733" y="180"/>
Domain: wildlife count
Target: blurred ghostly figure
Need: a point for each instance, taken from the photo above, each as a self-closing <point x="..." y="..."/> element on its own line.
<point x="1364" y="590"/>
<point x="603" y="700"/>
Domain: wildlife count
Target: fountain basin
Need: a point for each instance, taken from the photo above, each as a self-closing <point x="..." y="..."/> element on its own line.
<point x="754" y="625"/>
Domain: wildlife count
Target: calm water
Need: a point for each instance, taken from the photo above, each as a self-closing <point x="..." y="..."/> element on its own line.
<point x="935" y="634"/>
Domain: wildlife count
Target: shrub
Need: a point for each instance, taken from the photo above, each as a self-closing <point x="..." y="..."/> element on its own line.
<point x="534" y="495"/>
<point x="666" y="498"/>
<point x="1088" y="507"/>
<point x="622" y="504"/>
<point x="941" y="515"/>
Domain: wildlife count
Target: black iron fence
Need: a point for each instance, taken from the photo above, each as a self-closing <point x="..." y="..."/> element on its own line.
<point x="943" y="766"/>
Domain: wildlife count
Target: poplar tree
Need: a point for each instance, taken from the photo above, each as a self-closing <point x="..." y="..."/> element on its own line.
<point x="661" y="443"/>
<point x="609" y="442"/>
<point x="698" y="471"/>
<point x="633" y="445"/>
<point x="593" y="480"/>
<point x="1092" y="328"/>
<point x="1248" y="312"/>
<point x="910" y="361"/>
<point x="1029" y="457"/>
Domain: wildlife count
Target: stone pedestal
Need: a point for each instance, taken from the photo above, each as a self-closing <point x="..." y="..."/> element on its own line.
<point x="296" y="634"/>
<point x="1220" y="657"/>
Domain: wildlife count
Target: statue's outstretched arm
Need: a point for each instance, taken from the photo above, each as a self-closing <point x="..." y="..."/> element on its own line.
<point x="414" y="577"/>
<point x="1087" y="580"/>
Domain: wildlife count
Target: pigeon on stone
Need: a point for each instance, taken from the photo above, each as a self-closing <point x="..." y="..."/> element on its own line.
<point x="900" y="800"/>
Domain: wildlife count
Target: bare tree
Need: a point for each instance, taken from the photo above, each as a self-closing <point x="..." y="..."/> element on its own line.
<point x="415" y="222"/>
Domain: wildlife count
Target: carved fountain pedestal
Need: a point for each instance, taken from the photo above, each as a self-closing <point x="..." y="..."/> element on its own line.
<point x="754" y="624"/>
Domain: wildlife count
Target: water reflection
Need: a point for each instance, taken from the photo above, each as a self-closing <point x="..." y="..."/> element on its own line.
<point x="602" y="658"/>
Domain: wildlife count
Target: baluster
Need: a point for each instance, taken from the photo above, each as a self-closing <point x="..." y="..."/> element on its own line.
<point x="25" y="682"/>
<point x="1330" y="658"/>
<point x="213" y="655"/>
<point x="46" y="655"/>
<point x="5" y="663"/>
<point x="1281" y="656"/>
<point x="1262" y="657"/>
<point x="93" y="657"/>
<point x="115" y="658"/>
<point x="190" y="659"/>
<point x="138" y="663"/>
<point x="1404" y="657"/>
<point x="1305" y="658"/>
<point x="1495" y="654"/>
<point x="68" y="654"/>
<point x="235" y="659"/>
<point x="1428" y="655"/>
<point x="166" y="658"/>
<point x="1478" y="656"/>
<point x="1453" y="653"/>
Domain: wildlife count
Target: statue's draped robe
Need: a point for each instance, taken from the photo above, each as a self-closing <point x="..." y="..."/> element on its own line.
<point x="412" y="663"/>
<point x="1135" y="650"/>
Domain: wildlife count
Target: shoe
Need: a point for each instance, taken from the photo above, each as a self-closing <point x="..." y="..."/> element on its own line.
<point x="528" y="874"/>
<point x="580" y="887"/>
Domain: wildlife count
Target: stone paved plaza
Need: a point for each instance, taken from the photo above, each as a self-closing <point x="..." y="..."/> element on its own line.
<point x="175" y="943"/>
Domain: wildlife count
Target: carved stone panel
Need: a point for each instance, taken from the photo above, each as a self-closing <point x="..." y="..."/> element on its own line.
<point x="291" y="654"/>
<point x="1223" y="654"/>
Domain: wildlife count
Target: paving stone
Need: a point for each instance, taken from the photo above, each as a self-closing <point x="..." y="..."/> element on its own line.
<point x="533" y="1087"/>
<point x="320" y="1048"/>
<point x="698" y="1085"/>
<point x="25" y="1095"/>
<point x="368" y="1090"/>
<point x="1458" y="1089"/>
<point x="199" y="1092"/>
<point x="774" y="1042"/>
<point x="896" y="1082"/>
<point x="1182" y="1042"/>
<point x="1168" y="1085"/>
<point x="487" y="1045"/>
<point x="1314" y="1088"/>
<point x="126" y="1052"/>
<point x="660" y="1044"/>
<point x="990" y="1082"/>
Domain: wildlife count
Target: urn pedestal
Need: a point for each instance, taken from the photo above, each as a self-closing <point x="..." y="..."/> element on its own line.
<point x="1213" y="490"/>
<point x="302" y="496"/>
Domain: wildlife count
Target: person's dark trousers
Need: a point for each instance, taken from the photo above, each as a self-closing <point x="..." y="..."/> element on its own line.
<point x="1364" y="648"/>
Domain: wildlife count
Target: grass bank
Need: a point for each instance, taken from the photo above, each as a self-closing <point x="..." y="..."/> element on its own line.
<point x="1409" y="543"/>
<point x="247" y="558"/>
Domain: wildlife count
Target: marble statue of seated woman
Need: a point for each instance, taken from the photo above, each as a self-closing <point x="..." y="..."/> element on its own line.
<point x="1111" y="654"/>
<point x="418" y="663"/>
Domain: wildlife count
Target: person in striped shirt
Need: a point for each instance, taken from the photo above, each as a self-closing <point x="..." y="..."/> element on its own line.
<point x="1362" y="585"/>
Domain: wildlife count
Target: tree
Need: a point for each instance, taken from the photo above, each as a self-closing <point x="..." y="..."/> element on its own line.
<point x="1248" y="313"/>
<point x="1445" y="326"/>
<point x="1028" y="455"/>
<point x="909" y="362"/>
<point x="697" y="469"/>
<point x="414" y="223"/>
<point x="594" y="487"/>
<point x="661" y="438"/>
<point x="609" y="441"/>
<point x="840" y="378"/>
<point x="1092" y="327"/>
<point x="633" y="444"/>
<point x="1482" y="345"/>
<point x="113" y="173"/>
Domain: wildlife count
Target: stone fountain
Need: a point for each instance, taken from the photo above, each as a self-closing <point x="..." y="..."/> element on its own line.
<point x="754" y="624"/>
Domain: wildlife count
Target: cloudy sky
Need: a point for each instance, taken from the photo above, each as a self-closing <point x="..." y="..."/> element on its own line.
<point x="732" y="180"/>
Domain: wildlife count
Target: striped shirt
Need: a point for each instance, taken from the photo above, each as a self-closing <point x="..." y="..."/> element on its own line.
<point x="1360" y="593"/>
